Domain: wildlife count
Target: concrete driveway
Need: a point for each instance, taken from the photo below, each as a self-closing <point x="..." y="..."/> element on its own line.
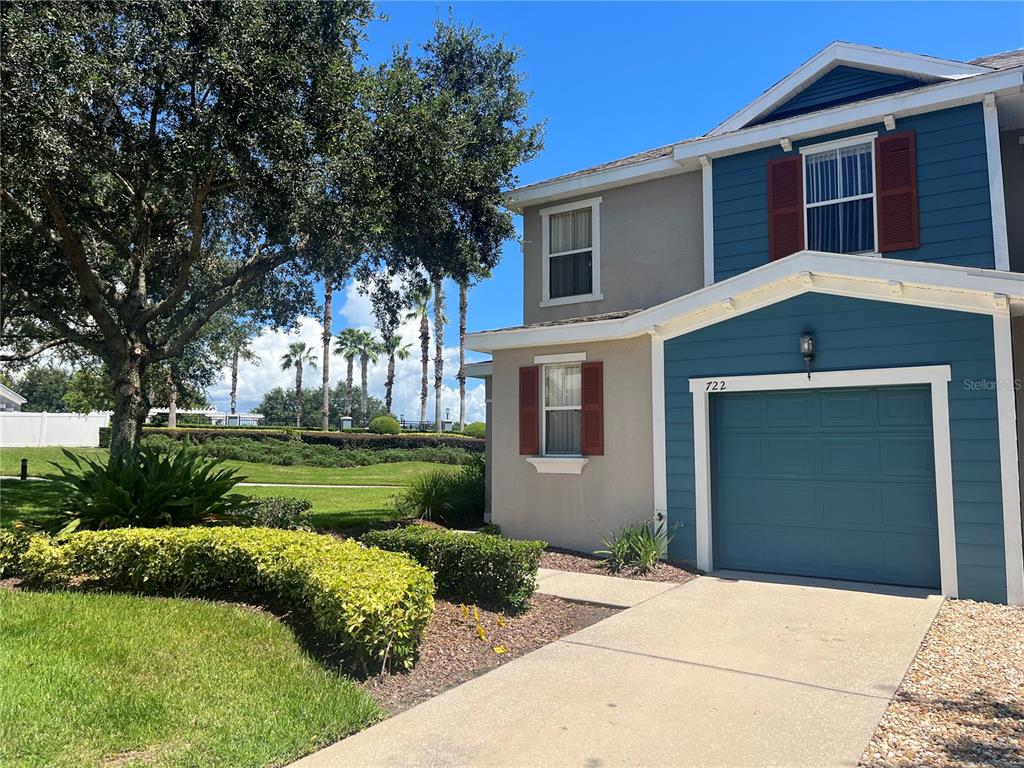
<point x="726" y="670"/>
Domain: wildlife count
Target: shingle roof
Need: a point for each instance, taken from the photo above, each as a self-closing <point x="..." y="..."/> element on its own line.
<point x="1003" y="60"/>
<point x="568" y="321"/>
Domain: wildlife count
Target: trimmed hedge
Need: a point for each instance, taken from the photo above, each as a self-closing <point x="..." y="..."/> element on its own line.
<point x="469" y="566"/>
<point x="374" y="604"/>
<point x="364" y="440"/>
<point x="385" y="425"/>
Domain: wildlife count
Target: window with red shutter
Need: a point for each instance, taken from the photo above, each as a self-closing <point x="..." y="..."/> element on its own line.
<point x="785" y="207"/>
<point x="529" y="410"/>
<point x="896" y="192"/>
<point x="592" y="416"/>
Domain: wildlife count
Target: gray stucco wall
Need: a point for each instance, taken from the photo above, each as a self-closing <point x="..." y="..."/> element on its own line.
<point x="1013" y="188"/>
<point x="575" y="511"/>
<point x="652" y="248"/>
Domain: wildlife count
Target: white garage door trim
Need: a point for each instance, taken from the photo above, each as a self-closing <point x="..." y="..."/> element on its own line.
<point x="938" y="376"/>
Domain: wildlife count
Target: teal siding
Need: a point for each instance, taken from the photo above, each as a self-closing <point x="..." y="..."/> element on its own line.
<point x="851" y="334"/>
<point x="841" y="86"/>
<point x="955" y="212"/>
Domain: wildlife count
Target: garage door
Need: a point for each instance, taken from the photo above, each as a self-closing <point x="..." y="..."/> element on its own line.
<point x="836" y="483"/>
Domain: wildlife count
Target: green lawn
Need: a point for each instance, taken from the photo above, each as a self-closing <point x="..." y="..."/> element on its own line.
<point x="338" y="508"/>
<point x="399" y="473"/>
<point x="105" y="680"/>
<point x="29" y="501"/>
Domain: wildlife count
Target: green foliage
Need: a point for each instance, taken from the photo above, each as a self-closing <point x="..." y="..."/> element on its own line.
<point x="44" y="388"/>
<point x="639" y="545"/>
<point x="374" y="604"/>
<point x="12" y="546"/>
<point x="287" y="513"/>
<point x="278" y="406"/>
<point x="473" y="567"/>
<point x="90" y="389"/>
<point x="475" y="429"/>
<point x="385" y="425"/>
<point x="455" y="499"/>
<point x="148" y="488"/>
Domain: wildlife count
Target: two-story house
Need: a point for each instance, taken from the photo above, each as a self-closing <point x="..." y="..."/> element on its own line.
<point x="792" y="340"/>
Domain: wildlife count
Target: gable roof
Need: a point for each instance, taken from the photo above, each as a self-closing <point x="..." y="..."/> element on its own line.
<point x="1003" y="60"/>
<point x="11" y="395"/>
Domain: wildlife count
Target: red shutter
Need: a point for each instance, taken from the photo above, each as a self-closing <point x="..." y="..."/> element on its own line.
<point x="896" y="193"/>
<point x="529" y="410"/>
<point x="592" y="416"/>
<point x="785" y="207"/>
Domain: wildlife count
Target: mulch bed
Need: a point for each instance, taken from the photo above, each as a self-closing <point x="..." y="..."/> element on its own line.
<point x="578" y="562"/>
<point x="962" y="701"/>
<point x="452" y="650"/>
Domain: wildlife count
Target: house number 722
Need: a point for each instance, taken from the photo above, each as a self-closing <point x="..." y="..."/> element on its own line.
<point x="714" y="385"/>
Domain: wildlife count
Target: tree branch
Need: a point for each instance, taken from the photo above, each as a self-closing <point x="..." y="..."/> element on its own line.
<point x="9" y="357"/>
<point x="37" y="225"/>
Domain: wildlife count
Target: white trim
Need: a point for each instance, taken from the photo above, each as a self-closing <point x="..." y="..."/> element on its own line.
<point x="708" y="224"/>
<point x="837" y="54"/>
<point x="965" y="289"/>
<point x="565" y="357"/>
<point x="11" y="395"/>
<point x="937" y="376"/>
<point x="1009" y="469"/>
<point x="479" y="370"/>
<point x="594" y="204"/>
<point x="658" y="429"/>
<point x="558" y="465"/>
<point x="849" y="141"/>
<point x="995" y="183"/>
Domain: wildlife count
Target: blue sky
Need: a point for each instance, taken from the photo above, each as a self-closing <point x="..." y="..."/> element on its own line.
<point x="611" y="79"/>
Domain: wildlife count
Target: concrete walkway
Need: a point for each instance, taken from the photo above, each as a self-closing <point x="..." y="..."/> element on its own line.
<point x="595" y="588"/>
<point x="719" y="671"/>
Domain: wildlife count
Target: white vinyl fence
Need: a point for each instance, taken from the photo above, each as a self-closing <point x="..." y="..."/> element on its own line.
<point x="19" y="429"/>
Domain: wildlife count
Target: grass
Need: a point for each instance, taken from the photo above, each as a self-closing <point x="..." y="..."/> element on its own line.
<point x="338" y="509"/>
<point x="90" y="679"/>
<point x="399" y="473"/>
<point x="30" y="501"/>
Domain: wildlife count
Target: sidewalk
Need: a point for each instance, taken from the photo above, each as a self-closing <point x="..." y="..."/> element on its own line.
<point x="611" y="591"/>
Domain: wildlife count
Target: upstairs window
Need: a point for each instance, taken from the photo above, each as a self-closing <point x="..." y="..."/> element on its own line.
<point x="571" y="253"/>
<point x="839" y="194"/>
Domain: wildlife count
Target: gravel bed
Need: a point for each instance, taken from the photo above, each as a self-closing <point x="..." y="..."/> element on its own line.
<point x="452" y="650"/>
<point x="578" y="562"/>
<point x="962" y="701"/>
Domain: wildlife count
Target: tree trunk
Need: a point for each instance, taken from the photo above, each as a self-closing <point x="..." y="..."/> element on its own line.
<point x="438" y="351"/>
<point x="172" y="403"/>
<point x="130" y="407"/>
<point x="234" y="381"/>
<point x="298" y="394"/>
<point x="463" y="307"/>
<point x="425" y="362"/>
<point x="348" y="385"/>
<point x="390" y="382"/>
<point x="364" y="362"/>
<point x="325" y="422"/>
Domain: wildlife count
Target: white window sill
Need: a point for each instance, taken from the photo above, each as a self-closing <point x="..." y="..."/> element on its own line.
<point x="558" y="465"/>
<point x="571" y="300"/>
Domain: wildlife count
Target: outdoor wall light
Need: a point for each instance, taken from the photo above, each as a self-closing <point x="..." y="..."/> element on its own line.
<point x="807" y="351"/>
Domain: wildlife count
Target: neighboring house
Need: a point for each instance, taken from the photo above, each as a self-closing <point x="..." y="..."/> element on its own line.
<point x="10" y="400"/>
<point x="871" y="204"/>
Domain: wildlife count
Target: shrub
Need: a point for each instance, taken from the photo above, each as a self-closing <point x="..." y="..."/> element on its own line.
<point x="636" y="545"/>
<point x="475" y="429"/>
<point x="148" y="488"/>
<point x="469" y="566"/>
<point x="374" y="604"/>
<point x="281" y="512"/>
<point x="385" y="425"/>
<point x="430" y="496"/>
<point x="12" y="546"/>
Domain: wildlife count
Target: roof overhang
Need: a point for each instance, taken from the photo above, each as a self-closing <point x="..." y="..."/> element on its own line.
<point x="686" y="155"/>
<point x="479" y="370"/>
<point x="11" y="395"/>
<point x="924" y="68"/>
<point x="963" y="289"/>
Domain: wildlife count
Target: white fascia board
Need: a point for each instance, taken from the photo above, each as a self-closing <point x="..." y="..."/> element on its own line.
<point x="941" y="95"/>
<point x="838" y="54"/>
<point x="479" y="370"/>
<point x="938" y="285"/>
<point x="11" y="395"/>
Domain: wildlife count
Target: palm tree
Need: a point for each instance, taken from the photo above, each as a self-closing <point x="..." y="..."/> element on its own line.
<point x="325" y="421"/>
<point x="239" y="339"/>
<point x="463" y="307"/>
<point x="347" y="346"/>
<point x="369" y="351"/>
<point x="420" y="301"/>
<point x="395" y="349"/>
<point x="439" y="322"/>
<point x="296" y="357"/>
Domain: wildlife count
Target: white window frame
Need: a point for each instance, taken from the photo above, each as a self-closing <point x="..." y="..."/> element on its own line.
<point x="830" y="146"/>
<point x="544" y="408"/>
<point x="594" y="204"/>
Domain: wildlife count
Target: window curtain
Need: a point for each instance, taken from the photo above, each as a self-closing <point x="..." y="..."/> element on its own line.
<point x="847" y="226"/>
<point x="563" y="390"/>
<point x="572" y="274"/>
<point x="571" y="231"/>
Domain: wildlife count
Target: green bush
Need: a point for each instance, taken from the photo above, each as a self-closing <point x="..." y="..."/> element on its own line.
<point x="455" y="499"/>
<point x="12" y="546"/>
<point x="385" y="425"/>
<point x="148" y="488"/>
<point x="475" y="429"/>
<point x="473" y="567"/>
<point x="283" y="512"/>
<point x="636" y="545"/>
<point x="374" y="604"/>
